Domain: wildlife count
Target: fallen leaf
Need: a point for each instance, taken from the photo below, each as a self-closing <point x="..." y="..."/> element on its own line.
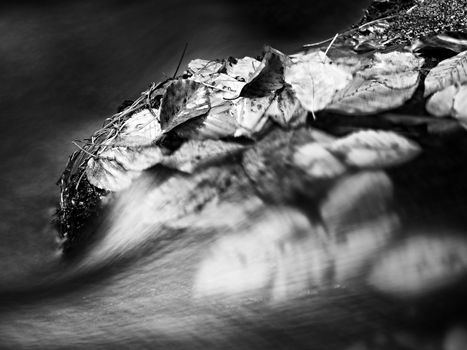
<point x="269" y="76"/>
<point x="315" y="80"/>
<point x="250" y="114"/>
<point x="374" y="149"/>
<point x="116" y="167"/>
<point x="389" y="81"/>
<point x="109" y="175"/>
<point x="448" y="72"/>
<point x="286" y="109"/>
<point x="194" y="154"/>
<point x="141" y="129"/>
<point x="242" y="69"/>
<point x="317" y="162"/>
<point x="460" y="105"/>
<point x="184" y="100"/>
<point x="453" y="41"/>
<point x="203" y="69"/>
<point x="420" y="265"/>
<point x="441" y="103"/>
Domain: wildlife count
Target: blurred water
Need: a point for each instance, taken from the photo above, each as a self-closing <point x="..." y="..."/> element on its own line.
<point x="64" y="66"/>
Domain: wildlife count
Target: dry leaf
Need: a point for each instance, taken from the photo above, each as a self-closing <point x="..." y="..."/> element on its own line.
<point x="441" y="103"/>
<point x="184" y="100"/>
<point x="109" y="174"/>
<point x="115" y="168"/>
<point x="389" y="81"/>
<point x="315" y="80"/>
<point x="269" y="76"/>
<point x="203" y="69"/>
<point x="286" y="109"/>
<point x="453" y="41"/>
<point x="460" y="105"/>
<point x="420" y="265"/>
<point x="374" y="149"/>
<point x="141" y="129"/>
<point x="242" y="69"/>
<point x="250" y="114"/>
<point x="448" y="72"/>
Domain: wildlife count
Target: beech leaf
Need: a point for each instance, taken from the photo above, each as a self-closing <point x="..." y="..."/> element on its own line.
<point x="250" y="114"/>
<point x="441" y="103"/>
<point x="195" y="153"/>
<point x="315" y="80"/>
<point x="184" y="100"/>
<point x="420" y="265"/>
<point x="448" y="72"/>
<point x="317" y="162"/>
<point x="242" y="69"/>
<point x="204" y="69"/>
<point x="374" y="149"/>
<point x="453" y="41"/>
<point x="389" y="81"/>
<point x="269" y="76"/>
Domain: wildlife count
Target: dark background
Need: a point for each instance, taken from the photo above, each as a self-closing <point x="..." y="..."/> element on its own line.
<point x="66" y="65"/>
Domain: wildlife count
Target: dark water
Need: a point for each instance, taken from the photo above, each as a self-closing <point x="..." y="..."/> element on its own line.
<point x="64" y="66"/>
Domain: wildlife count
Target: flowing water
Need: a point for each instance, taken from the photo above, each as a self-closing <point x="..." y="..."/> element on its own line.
<point x="64" y="66"/>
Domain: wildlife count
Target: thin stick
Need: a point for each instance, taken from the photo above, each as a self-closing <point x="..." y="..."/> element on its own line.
<point x="180" y="61"/>
<point x="329" y="46"/>
<point x="82" y="149"/>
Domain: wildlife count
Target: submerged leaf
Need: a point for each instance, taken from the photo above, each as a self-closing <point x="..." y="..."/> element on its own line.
<point x="374" y="149"/>
<point x="317" y="162"/>
<point x="420" y="265"/>
<point x="460" y="105"/>
<point x="389" y="81"/>
<point x="194" y="154"/>
<point x="315" y="80"/>
<point x="184" y="100"/>
<point x="449" y="72"/>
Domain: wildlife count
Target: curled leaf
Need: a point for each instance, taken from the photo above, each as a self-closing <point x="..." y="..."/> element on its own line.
<point x="269" y="76"/>
<point x="140" y="129"/>
<point x="448" y="72"/>
<point x="373" y="149"/>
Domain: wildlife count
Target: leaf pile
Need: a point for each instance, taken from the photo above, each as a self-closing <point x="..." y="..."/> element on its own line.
<point x="263" y="115"/>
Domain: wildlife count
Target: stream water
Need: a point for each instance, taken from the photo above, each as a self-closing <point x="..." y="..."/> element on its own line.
<point x="64" y="67"/>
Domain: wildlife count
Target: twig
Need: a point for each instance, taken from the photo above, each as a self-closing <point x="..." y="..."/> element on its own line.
<point x="329" y="46"/>
<point x="82" y="149"/>
<point x="180" y="61"/>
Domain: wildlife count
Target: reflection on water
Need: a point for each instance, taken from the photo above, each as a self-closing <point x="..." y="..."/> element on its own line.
<point x="372" y="260"/>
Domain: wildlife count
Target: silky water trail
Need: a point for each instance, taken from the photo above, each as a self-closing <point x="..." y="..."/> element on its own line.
<point x="65" y="67"/>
